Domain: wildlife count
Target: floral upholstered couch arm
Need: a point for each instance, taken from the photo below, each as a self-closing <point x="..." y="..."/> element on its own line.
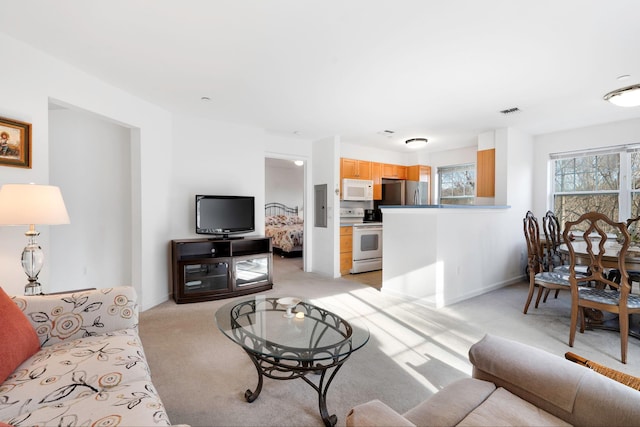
<point x="65" y="317"/>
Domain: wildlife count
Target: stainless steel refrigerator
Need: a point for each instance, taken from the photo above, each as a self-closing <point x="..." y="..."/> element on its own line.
<point x="402" y="192"/>
<point x="415" y="193"/>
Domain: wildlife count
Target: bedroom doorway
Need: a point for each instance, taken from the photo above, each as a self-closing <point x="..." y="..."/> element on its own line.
<point x="284" y="207"/>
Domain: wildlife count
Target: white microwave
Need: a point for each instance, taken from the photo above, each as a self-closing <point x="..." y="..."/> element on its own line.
<point x="357" y="189"/>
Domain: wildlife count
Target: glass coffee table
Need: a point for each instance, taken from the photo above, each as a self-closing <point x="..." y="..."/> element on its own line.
<point x="288" y="338"/>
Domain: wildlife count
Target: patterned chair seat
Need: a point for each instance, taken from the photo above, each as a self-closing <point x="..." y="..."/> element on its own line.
<point x="553" y="277"/>
<point x="608" y="296"/>
<point x="581" y="270"/>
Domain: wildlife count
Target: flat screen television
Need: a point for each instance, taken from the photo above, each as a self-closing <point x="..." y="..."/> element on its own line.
<point x="225" y="215"/>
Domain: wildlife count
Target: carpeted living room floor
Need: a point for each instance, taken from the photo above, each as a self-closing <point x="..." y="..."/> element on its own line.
<point x="412" y="353"/>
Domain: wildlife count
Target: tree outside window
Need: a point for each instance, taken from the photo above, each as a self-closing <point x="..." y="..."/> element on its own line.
<point x="606" y="182"/>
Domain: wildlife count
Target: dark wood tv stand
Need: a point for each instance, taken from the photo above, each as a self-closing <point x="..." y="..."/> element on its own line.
<point x="215" y="268"/>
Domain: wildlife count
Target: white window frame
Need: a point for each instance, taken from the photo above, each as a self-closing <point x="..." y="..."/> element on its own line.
<point x="624" y="191"/>
<point x="440" y="169"/>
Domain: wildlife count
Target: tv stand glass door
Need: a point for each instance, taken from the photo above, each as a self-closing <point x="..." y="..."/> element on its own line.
<point x="251" y="270"/>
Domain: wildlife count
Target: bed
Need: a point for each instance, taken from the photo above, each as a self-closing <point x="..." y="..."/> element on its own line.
<point x="285" y="228"/>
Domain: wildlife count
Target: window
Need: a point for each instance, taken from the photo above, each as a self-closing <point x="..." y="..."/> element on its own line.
<point x="607" y="181"/>
<point x="457" y="184"/>
<point x="635" y="184"/>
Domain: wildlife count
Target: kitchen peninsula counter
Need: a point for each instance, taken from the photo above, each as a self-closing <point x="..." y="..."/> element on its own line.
<point x="438" y="255"/>
<point x="471" y="207"/>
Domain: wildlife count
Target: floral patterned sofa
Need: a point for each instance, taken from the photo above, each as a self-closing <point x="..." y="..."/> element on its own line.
<point x="89" y="367"/>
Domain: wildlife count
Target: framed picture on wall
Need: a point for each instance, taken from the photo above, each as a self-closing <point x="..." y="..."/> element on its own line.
<point x="15" y="143"/>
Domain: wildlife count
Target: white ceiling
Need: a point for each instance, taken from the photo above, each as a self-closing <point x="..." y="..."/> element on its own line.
<point x="421" y="68"/>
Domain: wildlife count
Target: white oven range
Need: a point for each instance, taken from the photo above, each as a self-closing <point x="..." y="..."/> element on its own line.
<point x="367" y="247"/>
<point x="367" y="241"/>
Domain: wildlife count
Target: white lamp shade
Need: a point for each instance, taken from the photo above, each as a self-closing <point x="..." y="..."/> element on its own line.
<point x="26" y="204"/>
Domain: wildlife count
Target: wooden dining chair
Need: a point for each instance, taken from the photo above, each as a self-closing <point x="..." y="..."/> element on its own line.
<point x="553" y="237"/>
<point x="538" y="276"/>
<point x="614" y="374"/>
<point x="553" y="259"/>
<point x="607" y="295"/>
<point x="634" y="275"/>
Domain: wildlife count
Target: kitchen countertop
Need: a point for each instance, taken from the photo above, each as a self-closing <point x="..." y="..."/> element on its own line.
<point x="445" y="207"/>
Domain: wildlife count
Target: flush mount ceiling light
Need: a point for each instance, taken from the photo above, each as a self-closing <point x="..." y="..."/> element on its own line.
<point x="625" y="97"/>
<point x="412" y="140"/>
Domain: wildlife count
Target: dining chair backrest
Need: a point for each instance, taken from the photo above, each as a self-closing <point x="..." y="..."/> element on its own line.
<point x="632" y="227"/>
<point x="630" y="221"/>
<point x="591" y="245"/>
<point x="532" y="236"/>
<point x="553" y="237"/>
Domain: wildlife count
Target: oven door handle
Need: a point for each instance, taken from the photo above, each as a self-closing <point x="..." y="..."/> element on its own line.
<point x="367" y="228"/>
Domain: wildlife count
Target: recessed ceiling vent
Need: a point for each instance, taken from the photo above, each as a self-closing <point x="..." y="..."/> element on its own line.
<point x="388" y="133"/>
<point x="510" y="110"/>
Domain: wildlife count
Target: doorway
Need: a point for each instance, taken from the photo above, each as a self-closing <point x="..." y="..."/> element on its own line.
<point x="285" y="210"/>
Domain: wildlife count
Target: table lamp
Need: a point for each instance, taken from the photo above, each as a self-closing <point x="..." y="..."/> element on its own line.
<point x="31" y="204"/>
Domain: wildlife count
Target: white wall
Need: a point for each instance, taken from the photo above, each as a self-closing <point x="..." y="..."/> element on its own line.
<point x="360" y="152"/>
<point x="440" y="256"/>
<point x="458" y="156"/>
<point x="285" y="184"/>
<point x="211" y="157"/>
<point x="26" y="90"/>
<point x="90" y="159"/>
<point x="326" y="241"/>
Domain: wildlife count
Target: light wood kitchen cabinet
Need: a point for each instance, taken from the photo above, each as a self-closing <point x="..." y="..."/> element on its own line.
<point x="355" y="169"/>
<point x="376" y="175"/>
<point x="419" y="173"/>
<point x="346" y="249"/>
<point x="486" y="173"/>
<point x="394" y="171"/>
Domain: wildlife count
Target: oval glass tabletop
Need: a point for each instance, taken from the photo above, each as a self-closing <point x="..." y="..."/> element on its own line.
<point x="290" y="328"/>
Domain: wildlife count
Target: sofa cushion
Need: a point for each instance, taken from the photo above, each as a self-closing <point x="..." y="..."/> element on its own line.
<point x="67" y="317"/>
<point x="18" y="339"/>
<point x="130" y="404"/>
<point x="517" y="367"/>
<point x="450" y="405"/>
<point x="70" y="370"/>
<point x="503" y="408"/>
<point x="376" y="413"/>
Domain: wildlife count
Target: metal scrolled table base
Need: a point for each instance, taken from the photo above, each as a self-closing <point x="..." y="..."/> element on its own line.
<point x="273" y="368"/>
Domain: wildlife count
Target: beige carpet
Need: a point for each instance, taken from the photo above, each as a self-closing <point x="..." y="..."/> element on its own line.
<point x="413" y="351"/>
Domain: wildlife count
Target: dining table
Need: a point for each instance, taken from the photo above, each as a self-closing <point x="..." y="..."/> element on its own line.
<point x="610" y="257"/>
<point x="595" y="319"/>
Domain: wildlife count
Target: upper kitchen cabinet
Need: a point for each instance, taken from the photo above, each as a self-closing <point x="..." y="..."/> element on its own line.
<point x="376" y="175"/>
<point x="394" y="171"/>
<point x="419" y="173"/>
<point x="355" y="169"/>
<point x="486" y="173"/>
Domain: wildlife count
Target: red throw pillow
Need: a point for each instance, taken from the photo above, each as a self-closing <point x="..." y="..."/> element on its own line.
<point x="18" y="339"/>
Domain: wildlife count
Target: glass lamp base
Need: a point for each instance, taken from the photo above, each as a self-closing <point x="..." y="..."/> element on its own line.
<point x="32" y="260"/>
<point x="33" y="288"/>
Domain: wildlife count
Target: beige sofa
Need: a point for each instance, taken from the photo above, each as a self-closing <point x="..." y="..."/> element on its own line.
<point x="89" y="367"/>
<point x="515" y="384"/>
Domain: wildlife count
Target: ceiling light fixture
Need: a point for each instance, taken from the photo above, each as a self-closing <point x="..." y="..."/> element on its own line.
<point x="298" y="162"/>
<point x="625" y="97"/>
<point x="409" y="141"/>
